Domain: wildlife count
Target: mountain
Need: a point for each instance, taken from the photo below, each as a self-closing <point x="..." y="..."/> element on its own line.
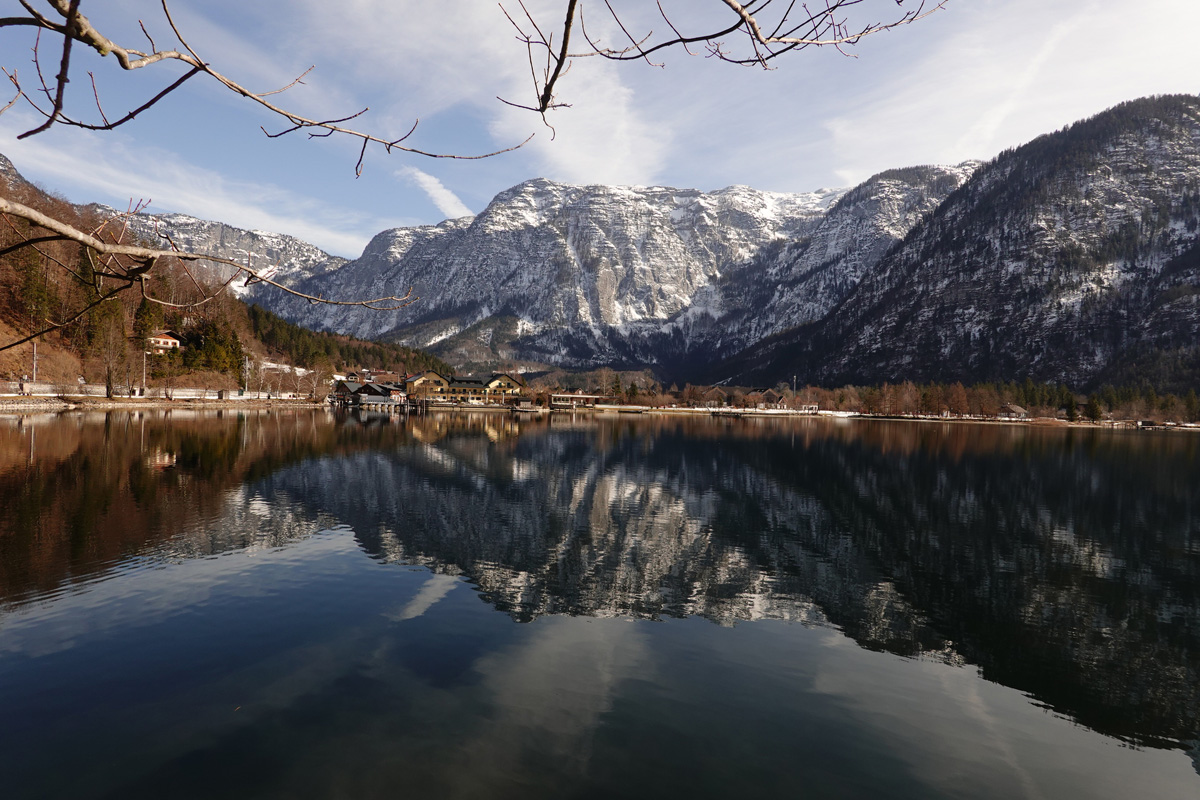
<point x="587" y="276"/>
<point x="1072" y="258"/>
<point x="556" y="273"/>
<point x="214" y="341"/>
<point x="9" y="176"/>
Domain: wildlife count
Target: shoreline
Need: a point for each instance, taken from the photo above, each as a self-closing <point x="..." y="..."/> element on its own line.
<point x="49" y="404"/>
<point x="17" y="403"/>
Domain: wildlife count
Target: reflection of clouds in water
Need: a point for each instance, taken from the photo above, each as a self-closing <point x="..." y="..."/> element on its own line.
<point x="974" y="705"/>
<point x="550" y="693"/>
<point x="259" y="507"/>
<point x="434" y="589"/>
<point x="970" y="737"/>
<point x="148" y="592"/>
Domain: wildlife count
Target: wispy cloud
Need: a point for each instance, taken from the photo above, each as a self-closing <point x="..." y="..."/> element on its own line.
<point x="446" y="200"/>
<point x="113" y="170"/>
<point x="606" y="136"/>
<point x="995" y="75"/>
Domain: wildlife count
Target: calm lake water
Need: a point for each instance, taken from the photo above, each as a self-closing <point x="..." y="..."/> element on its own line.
<point x="304" y="605"/>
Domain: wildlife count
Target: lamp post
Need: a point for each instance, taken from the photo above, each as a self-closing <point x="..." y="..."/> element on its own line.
<point x="144" y="354"/>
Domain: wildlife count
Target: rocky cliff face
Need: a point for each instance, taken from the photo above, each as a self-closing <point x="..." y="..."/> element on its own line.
<point x="547" y="265"/>
<point x="802" y="280"/>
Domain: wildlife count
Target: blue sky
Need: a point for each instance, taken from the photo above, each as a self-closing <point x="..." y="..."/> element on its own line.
<point x="971" y="80"/>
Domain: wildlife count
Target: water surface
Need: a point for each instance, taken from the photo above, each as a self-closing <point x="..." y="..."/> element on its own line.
<point x="307" y="605"/>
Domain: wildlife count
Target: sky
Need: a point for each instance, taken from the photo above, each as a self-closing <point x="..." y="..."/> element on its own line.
<point x="965" y="83"/>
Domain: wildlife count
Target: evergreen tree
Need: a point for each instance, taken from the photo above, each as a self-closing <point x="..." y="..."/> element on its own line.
<point x="35" y="294"/>
<point x="147" y="319"/>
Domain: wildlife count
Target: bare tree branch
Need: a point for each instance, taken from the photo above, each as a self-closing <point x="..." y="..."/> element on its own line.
<point x="75" y="27"/>
<point x="796" y="27"/>
<point x="124" y="266"/>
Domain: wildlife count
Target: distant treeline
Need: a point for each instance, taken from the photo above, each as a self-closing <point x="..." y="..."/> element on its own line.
<point x="1130" y="401"/>
<point x="306" y="348"/>
<point x="1141" y="401"/>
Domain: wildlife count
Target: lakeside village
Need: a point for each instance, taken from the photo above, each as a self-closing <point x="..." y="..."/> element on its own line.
<point x="379" y="391"/>
<point x="505" y="391"/>
<point x="430" y="390"/>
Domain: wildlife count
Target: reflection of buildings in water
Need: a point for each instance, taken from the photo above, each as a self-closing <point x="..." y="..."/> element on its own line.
<point x="159" y="459"/>
<point x="436" y="425"/>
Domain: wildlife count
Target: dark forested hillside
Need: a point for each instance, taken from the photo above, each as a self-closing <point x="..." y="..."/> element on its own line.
<point x="1072" y="258"/>
<point x="307" y="348"/>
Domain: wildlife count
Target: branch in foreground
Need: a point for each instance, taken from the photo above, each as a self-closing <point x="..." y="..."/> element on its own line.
<point x="75" y="27"/>
<point x="794" y="26"/>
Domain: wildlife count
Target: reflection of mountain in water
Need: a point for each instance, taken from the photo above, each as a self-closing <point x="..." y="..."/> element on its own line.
<point x="1066" y="567"/>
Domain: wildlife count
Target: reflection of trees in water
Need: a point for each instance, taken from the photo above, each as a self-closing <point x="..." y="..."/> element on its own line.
<point x="82" y="493"/>
<point x="1062" y="563"/>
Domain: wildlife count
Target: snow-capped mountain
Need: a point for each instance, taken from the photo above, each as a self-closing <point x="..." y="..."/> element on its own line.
<point x="598" y="275"/>
<point x="545" y="264"/>
<point x="9" y="176"/>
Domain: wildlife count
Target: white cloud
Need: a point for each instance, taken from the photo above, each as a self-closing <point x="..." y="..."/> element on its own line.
<point x="995" y="75"/>
<point x="606" y="136"/>
<point x="446" y="200"/>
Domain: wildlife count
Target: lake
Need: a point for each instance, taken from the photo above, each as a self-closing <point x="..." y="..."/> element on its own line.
<point x="312" y="605"/>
